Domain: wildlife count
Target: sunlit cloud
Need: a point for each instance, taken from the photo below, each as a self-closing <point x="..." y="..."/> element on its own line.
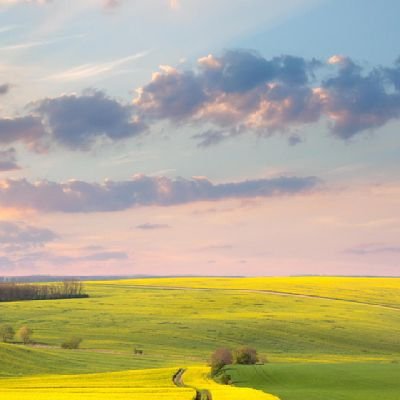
<point x="236" y="94"/>
<point x="241" y="91"/>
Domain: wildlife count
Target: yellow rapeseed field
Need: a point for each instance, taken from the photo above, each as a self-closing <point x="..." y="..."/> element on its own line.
<point x="136" y="385"/>
<point x="380" y="291"/>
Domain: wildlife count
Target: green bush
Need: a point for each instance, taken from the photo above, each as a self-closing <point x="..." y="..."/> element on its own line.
<point x="7" y="332"/>
<point x="72" y="343"/>
<point x="25" y="334"/>
<point x="246" y="355"/>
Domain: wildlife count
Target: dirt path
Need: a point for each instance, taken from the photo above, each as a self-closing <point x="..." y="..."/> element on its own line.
<point x="201" y="394"/>
<point x="260" y="291"/>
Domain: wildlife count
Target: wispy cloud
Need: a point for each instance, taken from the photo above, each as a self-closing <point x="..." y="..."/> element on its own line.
<point x="90" y="70"/>
<point x="18" y="236"/>
<point x="148" y="226"/>
<point x="34" y="259"/>
<point x="38" y="43"/>
<point x="373" y="248"/>
<point x="8" y="28"/>
<point x="215" y="247"/>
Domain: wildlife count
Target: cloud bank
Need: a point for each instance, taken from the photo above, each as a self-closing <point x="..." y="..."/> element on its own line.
<point x="242" y="91"/>
<point x="83" y="197"/>
<point x="239" y="92"/>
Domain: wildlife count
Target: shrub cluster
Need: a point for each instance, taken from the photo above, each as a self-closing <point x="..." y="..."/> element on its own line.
<point x="72" y="343"/>
<point x="7" y="333"/>
<point x="223" y="356"/>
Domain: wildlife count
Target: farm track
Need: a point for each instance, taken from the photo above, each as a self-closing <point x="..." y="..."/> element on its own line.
<point x="201" y="394"/>
<point x="259" y="291"/>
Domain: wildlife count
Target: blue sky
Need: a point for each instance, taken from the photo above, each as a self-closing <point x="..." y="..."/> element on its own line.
<point x="186" y="137"/>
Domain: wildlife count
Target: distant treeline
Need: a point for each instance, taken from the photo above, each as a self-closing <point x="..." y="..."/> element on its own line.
<point x="59" y="278"/>
<point x="27" y="291"/>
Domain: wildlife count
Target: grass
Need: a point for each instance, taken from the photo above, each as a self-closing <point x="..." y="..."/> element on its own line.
<point x="181" y="327"/>
<point x="356" y="381"/>
<point x="18" y="360"/>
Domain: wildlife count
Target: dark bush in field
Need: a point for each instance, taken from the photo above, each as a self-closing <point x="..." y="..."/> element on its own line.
<point x="72" y="343"/>
<point x="245" y="355"/>
<point x="28" y="291"/>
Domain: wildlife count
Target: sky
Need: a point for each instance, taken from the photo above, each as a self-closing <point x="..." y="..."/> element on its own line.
<point x="187" y="137"/>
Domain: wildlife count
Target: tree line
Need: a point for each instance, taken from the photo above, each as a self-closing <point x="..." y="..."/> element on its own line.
<point x="67" y="289"/>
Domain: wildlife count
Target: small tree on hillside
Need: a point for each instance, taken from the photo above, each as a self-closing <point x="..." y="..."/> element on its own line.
<point x="219" y="359"/>
<point x="246" y="355"/>
<point x="25" y="333"/>
<point x="7" y="332"/>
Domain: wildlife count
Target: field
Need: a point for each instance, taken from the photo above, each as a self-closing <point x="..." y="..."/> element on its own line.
<point x="198" y="377"/>
<point x="358" y="381"/>
<point x="314" y="332"/>
<point x="145" y="385"/>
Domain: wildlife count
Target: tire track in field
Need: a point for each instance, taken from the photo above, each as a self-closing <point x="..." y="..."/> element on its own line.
<point x="201" y="394"/>
<point x="259" y="291"/>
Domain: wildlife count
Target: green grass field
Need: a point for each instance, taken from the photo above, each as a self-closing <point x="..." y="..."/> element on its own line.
<point x="314" y="331"/>
<point x="355" y="381"/>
